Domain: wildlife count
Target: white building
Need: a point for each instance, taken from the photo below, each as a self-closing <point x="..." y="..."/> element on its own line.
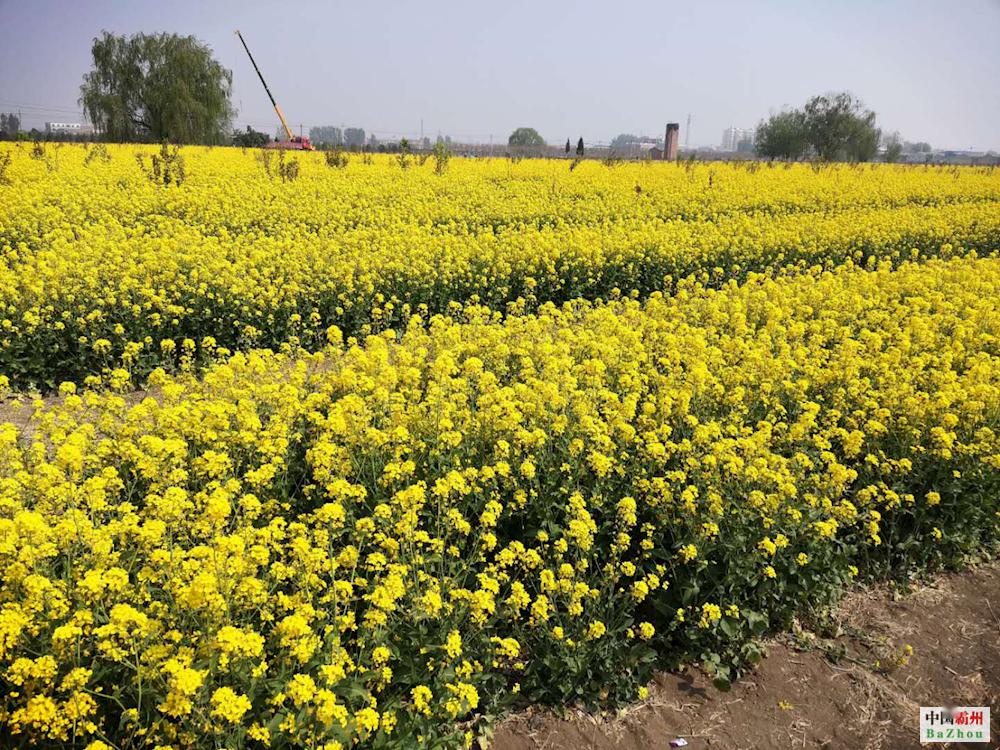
<point x="733" y="137"/>
<point x="68" y="128"/>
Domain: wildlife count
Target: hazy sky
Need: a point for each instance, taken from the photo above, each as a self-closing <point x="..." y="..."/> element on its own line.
<point x="929" y="68"/>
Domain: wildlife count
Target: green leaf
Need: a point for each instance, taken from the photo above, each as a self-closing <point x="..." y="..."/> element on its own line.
<point x="723" y="684"/>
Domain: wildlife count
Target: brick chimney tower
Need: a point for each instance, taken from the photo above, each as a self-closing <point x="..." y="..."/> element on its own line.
<point x="670" y="141"/>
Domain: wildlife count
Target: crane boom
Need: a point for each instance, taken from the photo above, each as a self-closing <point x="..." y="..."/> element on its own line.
<point x="288" y="130"/>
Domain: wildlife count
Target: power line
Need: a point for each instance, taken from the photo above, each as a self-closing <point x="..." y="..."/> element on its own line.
<point x="40" y="107"/>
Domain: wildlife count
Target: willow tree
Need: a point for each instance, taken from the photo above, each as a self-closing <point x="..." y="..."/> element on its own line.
<point x="525" y="137"/>
<point x="155" y="87"/>
<point x="833" y="127"/>
<point x="782" y="136"/>
<point x="840" y="128"/>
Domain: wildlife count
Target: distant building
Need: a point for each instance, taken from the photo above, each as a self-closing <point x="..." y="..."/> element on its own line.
<point x="68" y="128"/>
<point x="670" y="140"/>
<point x="734" y="138"/>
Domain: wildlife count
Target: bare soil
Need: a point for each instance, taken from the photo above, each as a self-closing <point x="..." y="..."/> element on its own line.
<point x="858" y="689"/>
<point x="18" y="409"/>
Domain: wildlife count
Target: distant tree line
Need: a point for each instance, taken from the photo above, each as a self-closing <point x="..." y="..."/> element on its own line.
<point x="626" y="141"/>
<point x="328" y="135"/>
<point x="895" y="147"/>
<point x="250" y="138"/>
<point x="623" y="141"/>
<point x="10" y="130"/>
<point x="34" y="134"/>
<point x="10" y="125"/>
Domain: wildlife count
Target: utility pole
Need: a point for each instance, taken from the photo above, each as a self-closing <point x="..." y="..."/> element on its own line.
<point x="687" y="133"/>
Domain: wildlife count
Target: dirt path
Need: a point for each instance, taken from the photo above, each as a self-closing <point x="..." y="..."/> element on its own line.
<point x="800" y="697"/>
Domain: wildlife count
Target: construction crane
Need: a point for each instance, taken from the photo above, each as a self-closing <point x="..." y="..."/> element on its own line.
<point x="294" y="141"/>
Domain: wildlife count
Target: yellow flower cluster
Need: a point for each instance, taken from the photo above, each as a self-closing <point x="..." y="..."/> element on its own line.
<point x="103" y="268"/>
<point x="382" y="542"/>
